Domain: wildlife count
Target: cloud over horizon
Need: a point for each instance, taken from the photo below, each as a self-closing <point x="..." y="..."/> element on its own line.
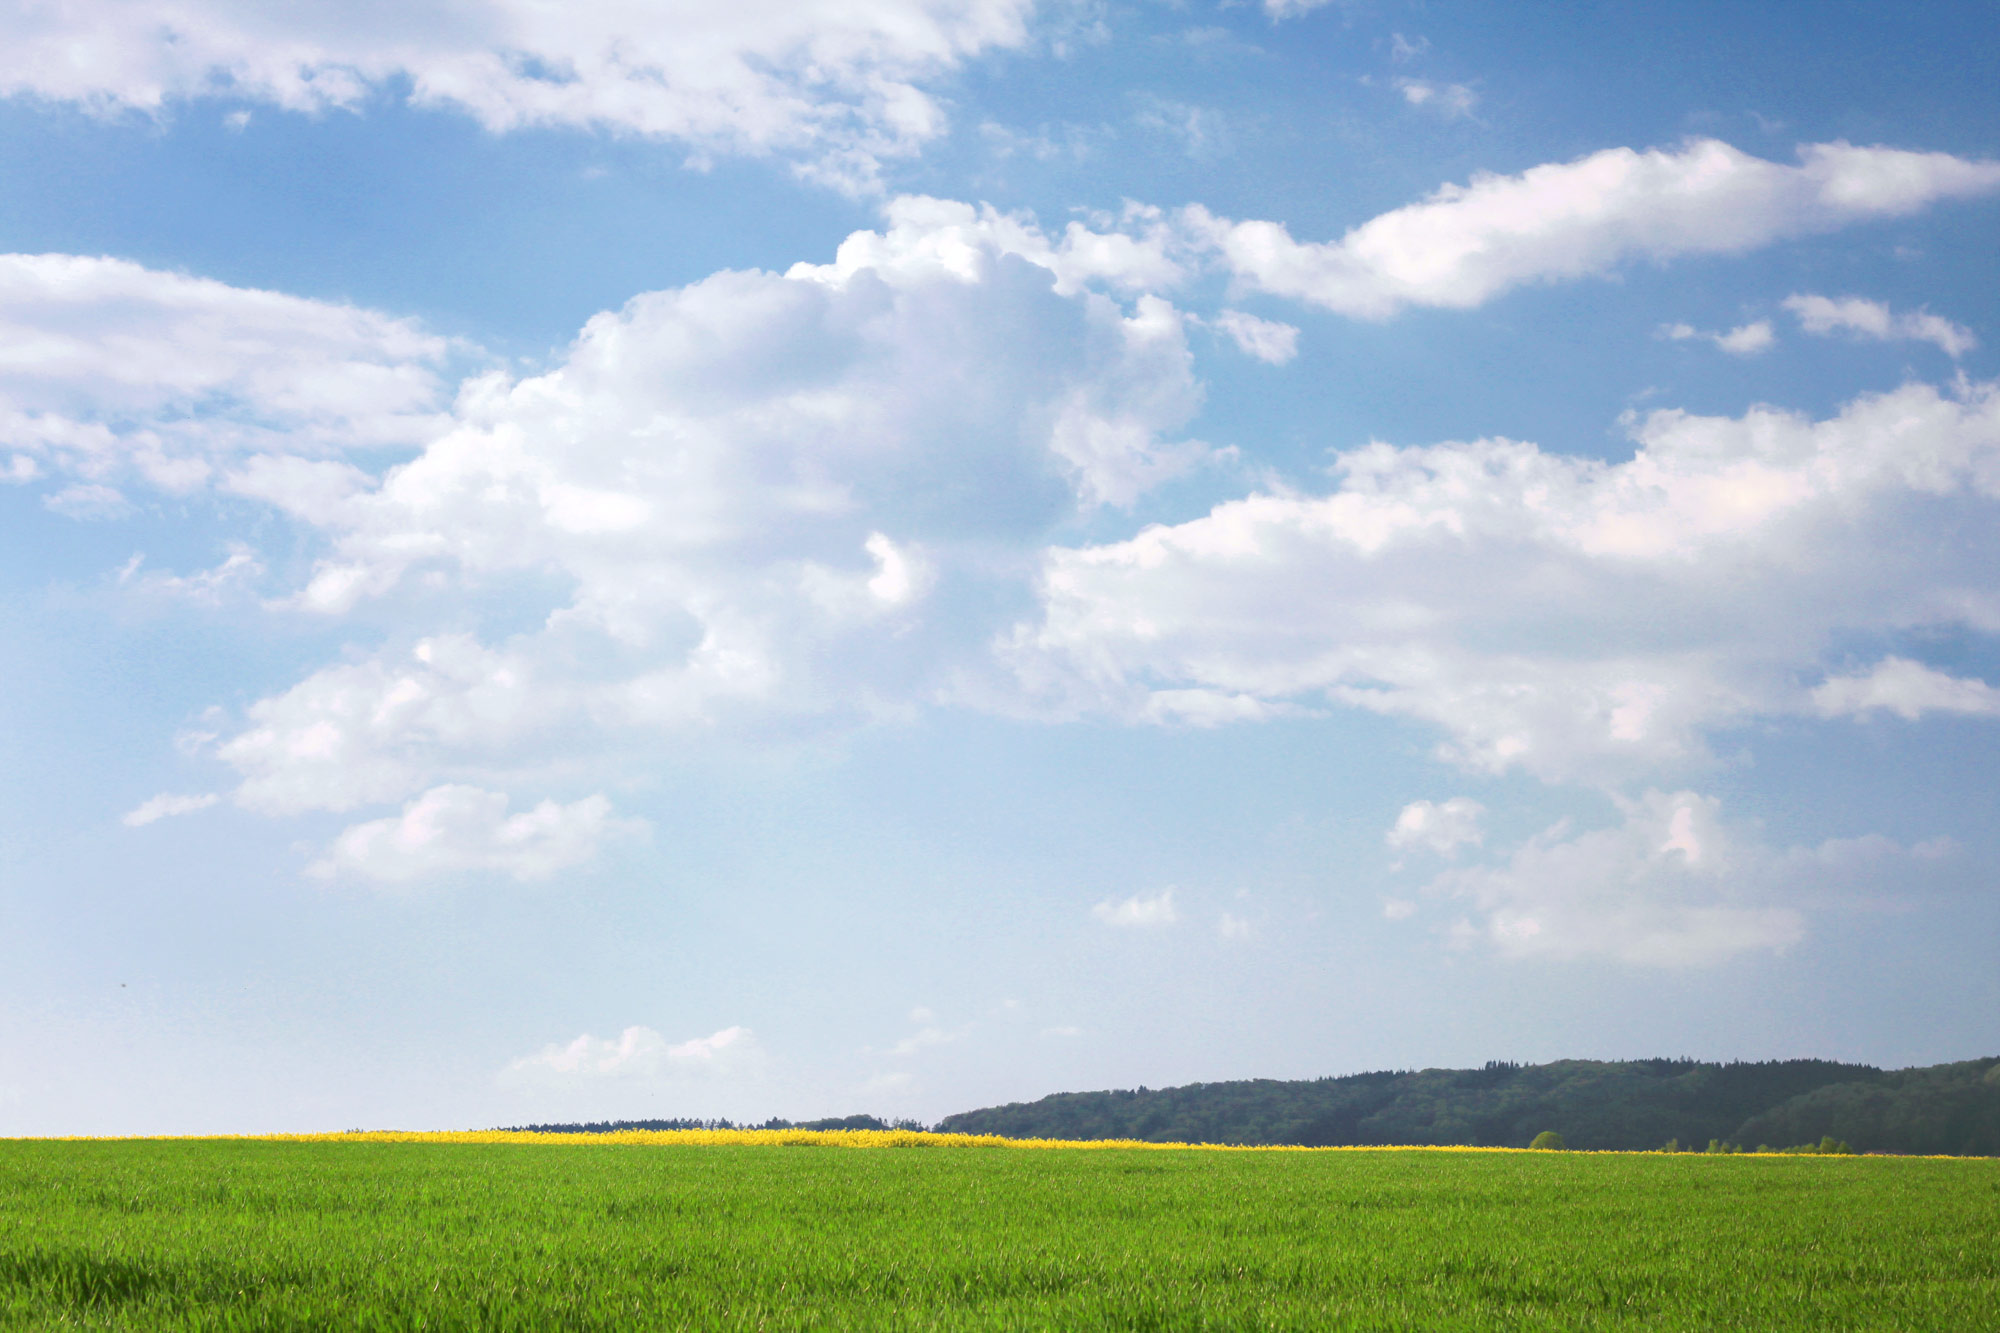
<point x="838" y="495"/>
<point x="640" y="1053"/>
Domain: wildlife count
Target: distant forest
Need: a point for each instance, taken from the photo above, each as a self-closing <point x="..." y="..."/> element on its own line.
<point x="615" y="1126"/>
<point x="1949" y="1109"/>
<point x="1952" y="1109"/>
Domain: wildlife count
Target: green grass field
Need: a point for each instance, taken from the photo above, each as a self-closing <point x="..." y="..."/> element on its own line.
<point x="217" y="1234"/>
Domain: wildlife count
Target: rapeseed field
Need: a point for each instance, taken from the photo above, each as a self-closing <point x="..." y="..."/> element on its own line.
<point x="758" y="1230"/>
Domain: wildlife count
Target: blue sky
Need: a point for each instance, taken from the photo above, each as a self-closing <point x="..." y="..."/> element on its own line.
<point x="893" y="555"/>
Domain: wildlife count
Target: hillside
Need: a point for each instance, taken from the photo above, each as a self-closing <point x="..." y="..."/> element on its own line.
<point x="1953" y="1108"/>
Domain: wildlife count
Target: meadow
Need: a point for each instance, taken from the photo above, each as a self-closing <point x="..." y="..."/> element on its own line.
<point x="805" y="1233"/>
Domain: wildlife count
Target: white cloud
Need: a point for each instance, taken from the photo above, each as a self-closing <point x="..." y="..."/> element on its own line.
<point x="112" y="371"/>
<point x="929" y="1033"/>
<point x="88" y="501"/>
<point x="1671" y="886"/>
<point x="839" y="85"/>
<point x="236" y="571"/>
<point x="761" y="499"/>
<point x="1743" y="340"/>
<point x="1157" y="910"/>
<point x="640" y="1053"/>
<point x="1907" y="689"/>
<point x="1133" y="251"/>
<point x="900" y="575"/>
<point x="1075" y="142"/>
<point x="1746" y="339"/>
<point x="1291" y="9"/>
<point x="1823" y="315"/>
<point x="454" y="829"/>
<point x="371" y="731"/>
<point x="1442" y="827"/>
<point x="1266" y="339"/>
<point x="739" y="498"/>
<point x="1202" y="132"/>
<point x="1577" y="618"/>
<point x="890" y="1081"/>
<point x="1232" y="927"/>
<point x="1450" y="100"/>
<point x="166" y="805"/>
<point x="1467" y="244"/>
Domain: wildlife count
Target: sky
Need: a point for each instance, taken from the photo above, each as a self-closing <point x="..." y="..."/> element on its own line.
<point x="670" y="559"/>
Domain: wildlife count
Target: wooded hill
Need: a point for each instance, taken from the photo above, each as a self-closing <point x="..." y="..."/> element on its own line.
<point x="1952" y="1108"/>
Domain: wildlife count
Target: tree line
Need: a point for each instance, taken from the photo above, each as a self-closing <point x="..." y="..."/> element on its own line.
<point x="1782" y="1105"/>
<point x="1591" y="1104"/>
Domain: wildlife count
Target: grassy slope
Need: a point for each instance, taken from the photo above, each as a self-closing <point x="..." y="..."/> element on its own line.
<point x="445" y="1236"/>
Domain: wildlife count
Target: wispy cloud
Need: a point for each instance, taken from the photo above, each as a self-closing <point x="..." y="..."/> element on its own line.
<point x="1862" y="318"/>
<point x="1268" y="340"/>
<point x="165" y="806"/>
<point x="1139" y="912"/>
<point x="640" y="1053"/>
<point x="1743" y="340"/>
<point x="457" y="829"/>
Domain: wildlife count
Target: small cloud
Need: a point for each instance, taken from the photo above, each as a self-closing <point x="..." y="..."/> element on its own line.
<point x="1672" y="886"/>
<point x="1266" y="339"/>
<point x="928" y="1035"/>
<point x="88" y="502"/>
<point x="455" y="829"/>
<point x="1136" y="911"/>
<point x="240" y="567"/>
<point x="1279" y="10"/>
<point x="1065" y="1031"/>
<point x="1746" y="339"/>
<point x="236" y="121"/>
<point x="1450" y="100"/>
<point x="1399" y="909"/>
<point x="1402" y="49"/>
<point x="1232" y="927"/>
<point x="166" y="805"/>
<point x="1441" y="827"/>
<point x="1045" y="144"/>
<point x="1202" y="131"/>
<point x="1743" y="340"/>
<point x="640" y="1053"/>
<point x="901" y="575"/>
<point x="1824" y="316"/>
<point x="1208" y="37"/>
<point x="1907" y="689"/>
